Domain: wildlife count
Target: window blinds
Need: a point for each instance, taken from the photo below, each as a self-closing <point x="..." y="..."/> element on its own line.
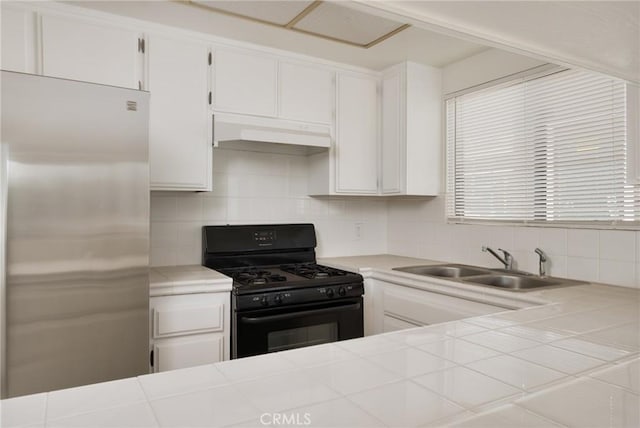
<point x="549" y="149"/>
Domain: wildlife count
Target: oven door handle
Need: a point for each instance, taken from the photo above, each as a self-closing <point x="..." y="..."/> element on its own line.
<point x="257" y="320"/>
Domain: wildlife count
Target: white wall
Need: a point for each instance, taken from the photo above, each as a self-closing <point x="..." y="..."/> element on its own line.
<point x="254" y="188"/>
<point x="418" y="228"/>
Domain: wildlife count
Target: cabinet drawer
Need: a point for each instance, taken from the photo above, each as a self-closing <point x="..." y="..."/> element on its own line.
<point x="188" y="319"/>
<point x="182" y="352"/>
<point x="390" y="323"/>
<point x="423" y="307"/>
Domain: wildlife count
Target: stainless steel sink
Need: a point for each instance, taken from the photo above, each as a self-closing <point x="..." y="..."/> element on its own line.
<point x="513" y="282"/>
<point x="447" y="271"/>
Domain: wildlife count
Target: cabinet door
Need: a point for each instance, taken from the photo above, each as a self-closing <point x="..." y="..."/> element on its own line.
<point x="245" y="83"/>
<point x="181" y="319"/>
<point x="356" y="134"/>
<point x="392" y="133"/>
<point x="306" y="93"/>
<point x="179" y="353"/>
<point x="179" y="148"/>
<point x="18" y="47"/>
<point x="89" y="52"/>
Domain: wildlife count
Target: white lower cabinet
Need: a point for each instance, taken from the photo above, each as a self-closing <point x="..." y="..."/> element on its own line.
<point x="188" y="351"/>
<point x="394" y="306"/>
<point x="188" y="330"/>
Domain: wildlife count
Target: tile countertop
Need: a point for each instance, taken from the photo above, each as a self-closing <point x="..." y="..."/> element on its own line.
<point x="574" y="361"/>
<point x="186" y="279"/>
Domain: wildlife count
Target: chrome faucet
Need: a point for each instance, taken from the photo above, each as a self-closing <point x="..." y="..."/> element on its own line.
<point x="542" y="271"/>
<point x="507" y="261"/>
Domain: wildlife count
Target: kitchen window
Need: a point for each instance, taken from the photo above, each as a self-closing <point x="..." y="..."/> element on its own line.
<point x="545" y="149"/>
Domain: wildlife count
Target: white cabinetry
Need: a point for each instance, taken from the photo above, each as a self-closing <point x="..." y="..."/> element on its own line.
<point x="18" y="32"/>
<point x="351" y="167"/>
<point x="180" y="153"/>
<point x="91" y="52"/>
<point x="411" y="123"/>
<point x="189" y="330"/>
<point x="306" y="92"/>
<point x="396" y="306"/>
<point x="357" y="134"/>
<point x="633" y="134"/>
<point x="245" y="82"/>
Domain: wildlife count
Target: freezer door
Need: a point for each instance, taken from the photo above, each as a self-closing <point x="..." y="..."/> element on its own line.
<point x="77" y="236"/>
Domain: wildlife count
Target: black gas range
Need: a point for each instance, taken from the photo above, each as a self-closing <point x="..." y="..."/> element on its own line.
<point x="281" y="298"/>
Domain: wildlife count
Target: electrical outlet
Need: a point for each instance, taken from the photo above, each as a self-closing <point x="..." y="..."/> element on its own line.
<point x="358" y="231"/>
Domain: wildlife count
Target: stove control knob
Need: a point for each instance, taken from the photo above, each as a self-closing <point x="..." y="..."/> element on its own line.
<point x="264" y="301"/>
<point x="329" y="292"/>
<point x="342" y="291"/>
<point x="278" y="299"/>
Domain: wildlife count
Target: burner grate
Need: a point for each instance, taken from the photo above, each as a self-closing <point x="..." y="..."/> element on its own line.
<point x="312" y="270"/>
<point x="254" y="276"/>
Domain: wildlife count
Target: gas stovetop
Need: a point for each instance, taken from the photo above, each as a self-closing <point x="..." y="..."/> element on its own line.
<point x="260" y="279"/>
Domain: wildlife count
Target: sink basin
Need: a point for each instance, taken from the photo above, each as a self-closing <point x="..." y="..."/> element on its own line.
<point x="447" y="271"/>
<point x="511" y="272"/>
<point x="513" y="282"/>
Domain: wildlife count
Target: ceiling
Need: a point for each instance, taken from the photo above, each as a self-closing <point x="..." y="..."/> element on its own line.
<point x="362" y="35"/>
<point x="598" y="35"/>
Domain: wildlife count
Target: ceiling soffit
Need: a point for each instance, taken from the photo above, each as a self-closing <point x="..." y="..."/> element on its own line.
<point x="327" y="20"/>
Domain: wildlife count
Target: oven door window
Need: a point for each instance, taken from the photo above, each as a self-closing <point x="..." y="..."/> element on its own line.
<point x="302" y="336"/>
<point x="278" y="329"/>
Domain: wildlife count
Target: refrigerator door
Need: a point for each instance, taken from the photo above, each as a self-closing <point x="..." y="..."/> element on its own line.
<point x="77" y="232"/>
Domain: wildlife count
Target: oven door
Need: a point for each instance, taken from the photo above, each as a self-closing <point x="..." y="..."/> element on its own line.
<point x="277" y="329"/>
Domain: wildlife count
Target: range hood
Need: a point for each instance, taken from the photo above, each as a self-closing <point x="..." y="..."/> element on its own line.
<point x="253" y="133"/>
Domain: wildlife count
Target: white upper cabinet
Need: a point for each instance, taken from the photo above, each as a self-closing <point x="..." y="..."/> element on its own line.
<point x="350" y="167"/>
<point x="90" y="51"/>
<point x="411" y="136"/>
<point x="356" y="145"/>
<point x="633" y="134"/>
<point x="180" y="154"/>
<point x="306" y="92"/>
<point x="393" y="133"/>
<point x="18" y="40"/>
<point x="245" y="82"/>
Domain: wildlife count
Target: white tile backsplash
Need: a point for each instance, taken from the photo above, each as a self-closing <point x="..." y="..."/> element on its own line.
<point x="272" y="188"/>
<point x="582" y="268"/>
<point x="262" y="188"/>
<point x="553" y="241"/>
<point x="582" y="243"/>
<point x="617" y="245"/>
<point x="617" y="272"/>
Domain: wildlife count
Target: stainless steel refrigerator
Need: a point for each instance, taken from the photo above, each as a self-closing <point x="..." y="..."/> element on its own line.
<point x="74" y="219"/>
